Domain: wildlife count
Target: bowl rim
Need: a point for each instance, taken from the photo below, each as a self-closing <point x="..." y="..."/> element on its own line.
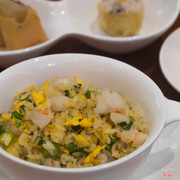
<point x="109" y="165"/>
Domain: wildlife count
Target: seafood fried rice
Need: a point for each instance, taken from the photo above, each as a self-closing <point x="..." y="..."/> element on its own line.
<point x="70" y="124"/>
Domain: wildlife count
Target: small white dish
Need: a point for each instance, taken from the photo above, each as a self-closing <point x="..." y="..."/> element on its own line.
<point x="79" y="19"/>
<point x="170" y="59"/>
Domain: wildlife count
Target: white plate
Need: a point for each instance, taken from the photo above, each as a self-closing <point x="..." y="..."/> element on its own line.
<point x="163" y="160"/>
<point x="170" y="59"/>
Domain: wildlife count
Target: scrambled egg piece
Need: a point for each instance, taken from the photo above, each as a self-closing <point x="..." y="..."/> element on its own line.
<point x="85" y="122"/>
<point x="74" y="121"/>
<point x="82" y="140"/>
<point x="91" y="157"/>
<point x="38" y="97"/>
<point x="6" y="116"/>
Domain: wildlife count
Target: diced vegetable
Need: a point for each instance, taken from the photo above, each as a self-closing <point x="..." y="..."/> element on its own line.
<point x="73" y="148"/>
<point x="17" y="115"/>
<point x="128" y="126"/>
<point x="77" y="87"/>
<point x="123" y="123"/>
<point x="24" y="96"/>
<point x="77" y="129"/>
<point x="18" y="124"/>
<point x="6" y="138"/>
<point x="1" y="129"/>
<point x="55" y="153"/>
<point x="114" y="139"/>
<point x="46" y="154"/>
<point x="66" y="93"/>
<point x="40" y="142"/>
<point x="88" y="94"/>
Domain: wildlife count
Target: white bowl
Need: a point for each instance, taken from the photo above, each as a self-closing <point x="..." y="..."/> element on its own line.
<point x="78" y="19"/>
<point x="103" y="72"/>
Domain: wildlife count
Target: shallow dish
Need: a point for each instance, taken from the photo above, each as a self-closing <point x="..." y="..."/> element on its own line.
<point x="103" y="72"/>
<point x="79" y="19"/>
<point x="170" y="59"/>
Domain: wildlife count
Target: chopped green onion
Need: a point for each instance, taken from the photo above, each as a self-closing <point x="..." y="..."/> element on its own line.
<point x="77" y="129"/>
<point x="34" y="104"/>
<point x="123" y="123"/>
<point x="46" y="153"/>
<point x="1" y="129"/>
<point x="55" y="153"/>
<point x="114" y="139"/>
<point x="128" y="126"/>
<point x="77" y="87"/>
<point x="40" y="142"/>
<point x="18" y="124"/>
<point x="17" y="115"/>
<point x="88" y="94"/>
<point x="66" y="93"/>
<point x="73" y="148"/>
<point x="27" y="98"/>
<point x="22" y="109"/>
<point x="109" y="147"/>
<point x="6" y="138"/>
<point x="83" y="151"/>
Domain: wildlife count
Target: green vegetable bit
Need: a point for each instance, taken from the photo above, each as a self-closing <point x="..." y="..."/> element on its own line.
<point x="40" y="142"/>
<point x="27" y="98"/>
<point x="88" y="94"/>
<point x="6" y="138"/>
<point x="128" y="126"/>
<point x="77" y="87"/>
<point x="46" y="153"/>
<point x="17" y="115"/>
<point x="77" y="129"/>
<point x="66" y="93"/>
<point x="73" y="148"/>
<point x="18" y="124"/>
<point x="1" y="129"/>
<point x="114" y="139"/>
<point x="123" y="123"/>
<point x="55" y="153"/>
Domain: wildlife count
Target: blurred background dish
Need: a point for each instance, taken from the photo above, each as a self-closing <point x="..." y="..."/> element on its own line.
<point x="170" y="59"/>
<point x="62" y="19"/>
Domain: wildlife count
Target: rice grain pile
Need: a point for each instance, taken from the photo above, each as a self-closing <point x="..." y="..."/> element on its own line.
<point x="69" y="124"/>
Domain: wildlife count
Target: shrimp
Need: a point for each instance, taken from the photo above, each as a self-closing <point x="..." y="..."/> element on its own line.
<point x="58" y="103"/>
<point x="127" y="136"/>
<point x="41" y="118"/>
<point x="102" y="158"/>
<point x="140" y="138"/>
<point x="109" y="102"/>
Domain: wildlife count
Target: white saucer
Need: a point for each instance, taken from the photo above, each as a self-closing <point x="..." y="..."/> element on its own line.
<point x="170" y="59"/>
<point x="162" y="161"/>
